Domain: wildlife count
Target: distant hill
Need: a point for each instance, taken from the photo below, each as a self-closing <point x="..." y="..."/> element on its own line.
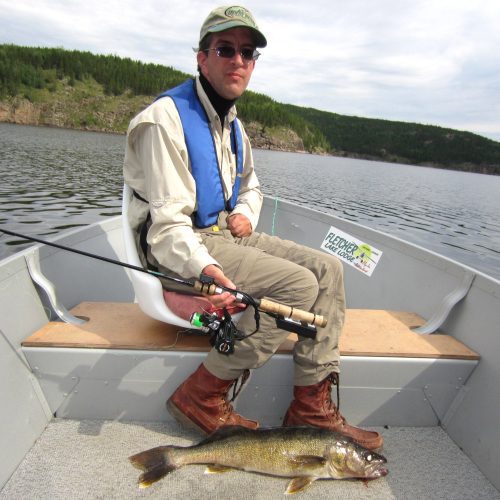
<point x="75" y="89"/>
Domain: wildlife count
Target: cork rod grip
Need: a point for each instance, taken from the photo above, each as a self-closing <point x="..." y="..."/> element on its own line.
<point x="292" y="313"/>
<point x="207" y="289"/>
<point x="271" y="307"/>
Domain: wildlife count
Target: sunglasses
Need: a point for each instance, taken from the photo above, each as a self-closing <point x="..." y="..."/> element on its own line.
<point x="227" y="52"/>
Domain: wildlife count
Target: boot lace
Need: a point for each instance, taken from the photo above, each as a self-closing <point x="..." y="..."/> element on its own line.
<point x="237" y="385"/>
<point x="242" y="379"/>
<point x="333" y="379"/>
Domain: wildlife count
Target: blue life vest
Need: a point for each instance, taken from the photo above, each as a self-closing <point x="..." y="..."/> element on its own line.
<point x="203" y="155"/>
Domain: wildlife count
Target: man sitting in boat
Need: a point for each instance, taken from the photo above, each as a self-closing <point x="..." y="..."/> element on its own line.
<point x="189" y="157"/>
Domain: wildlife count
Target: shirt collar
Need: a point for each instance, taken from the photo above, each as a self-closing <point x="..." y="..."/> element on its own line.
<point x="209" y="108"/>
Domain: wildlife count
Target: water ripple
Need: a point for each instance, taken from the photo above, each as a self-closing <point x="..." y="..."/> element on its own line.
<point x="56" y="179"/>
<point x="453" y="213"/>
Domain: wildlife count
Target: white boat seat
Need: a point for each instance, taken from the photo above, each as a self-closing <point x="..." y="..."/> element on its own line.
<point x="32" y="258"/>
<point x="448" y="303"/>
<point x="167" y="306"/>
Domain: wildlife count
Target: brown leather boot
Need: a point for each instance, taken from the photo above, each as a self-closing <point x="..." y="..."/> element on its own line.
<point x="313" y="406"/>
<point x="200" y="402"/>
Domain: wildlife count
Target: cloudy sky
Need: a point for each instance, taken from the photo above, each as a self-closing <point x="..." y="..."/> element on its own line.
<point x="427" y="61"/>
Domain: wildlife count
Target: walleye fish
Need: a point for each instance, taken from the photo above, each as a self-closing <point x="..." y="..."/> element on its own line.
<point x="304" y="454"/>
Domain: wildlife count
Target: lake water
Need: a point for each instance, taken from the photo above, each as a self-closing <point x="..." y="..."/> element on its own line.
<point x="55" y="179"/>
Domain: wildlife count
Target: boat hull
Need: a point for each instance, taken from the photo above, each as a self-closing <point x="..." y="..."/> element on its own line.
<point x="407" y="278"/>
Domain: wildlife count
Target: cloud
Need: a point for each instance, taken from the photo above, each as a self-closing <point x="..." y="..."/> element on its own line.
<point x="426" y="61"/>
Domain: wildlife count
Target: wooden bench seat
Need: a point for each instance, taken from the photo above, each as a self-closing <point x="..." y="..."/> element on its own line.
<point x="124" y="326"/>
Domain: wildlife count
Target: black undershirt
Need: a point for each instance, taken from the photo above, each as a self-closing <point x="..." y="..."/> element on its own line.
<point x="220" y="104"/>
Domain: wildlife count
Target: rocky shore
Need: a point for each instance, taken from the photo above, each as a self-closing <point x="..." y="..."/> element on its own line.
<point x="93" y="114"/>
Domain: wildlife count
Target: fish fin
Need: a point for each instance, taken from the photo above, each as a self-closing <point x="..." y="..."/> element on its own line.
<point x="299" y="484"/>
<point x="217" y="469"/>
<point x="146" y="479"/>
<point x="228" y="431"/>
<point x="307" y="461"/>
<point x="155" y="463"/>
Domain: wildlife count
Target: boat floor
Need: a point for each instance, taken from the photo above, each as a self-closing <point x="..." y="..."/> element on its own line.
<point x="88" y="459"/>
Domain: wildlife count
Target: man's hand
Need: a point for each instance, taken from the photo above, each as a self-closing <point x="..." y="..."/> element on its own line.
<point x="239" y="225"/>
<point x="224" y="299"/>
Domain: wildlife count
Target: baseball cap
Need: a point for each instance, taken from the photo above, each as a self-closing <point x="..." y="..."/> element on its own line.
<point x="228" y="17"/>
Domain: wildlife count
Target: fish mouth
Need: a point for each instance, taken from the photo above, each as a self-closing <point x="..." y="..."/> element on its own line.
<point x="376" y="470"/>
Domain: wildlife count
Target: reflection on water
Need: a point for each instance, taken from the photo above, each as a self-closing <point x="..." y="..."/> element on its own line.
<point x="55" y="179"/>
<point x="456" y="214"/>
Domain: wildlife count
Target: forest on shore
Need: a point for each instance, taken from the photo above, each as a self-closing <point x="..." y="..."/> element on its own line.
<point x="81" y="90"/>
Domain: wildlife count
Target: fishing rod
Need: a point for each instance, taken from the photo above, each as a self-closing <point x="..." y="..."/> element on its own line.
<point x="288" y="318"/>
<point x="94" y="256"/>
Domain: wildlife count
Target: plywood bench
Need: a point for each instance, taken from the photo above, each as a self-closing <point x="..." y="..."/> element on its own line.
<point x="122" y="364"/>
<point x="125" y="326"/>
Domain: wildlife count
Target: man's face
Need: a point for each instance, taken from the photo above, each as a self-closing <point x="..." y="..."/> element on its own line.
<point x="228" y="76"/>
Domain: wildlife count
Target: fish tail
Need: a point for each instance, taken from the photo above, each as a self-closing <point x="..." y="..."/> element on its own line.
<point x="155" y="464"/>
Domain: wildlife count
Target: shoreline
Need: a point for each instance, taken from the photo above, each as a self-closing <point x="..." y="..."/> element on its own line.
<point x="468" y="168"/>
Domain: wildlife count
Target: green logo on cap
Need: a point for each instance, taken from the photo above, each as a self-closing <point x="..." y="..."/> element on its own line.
<point x="242" y="13"/>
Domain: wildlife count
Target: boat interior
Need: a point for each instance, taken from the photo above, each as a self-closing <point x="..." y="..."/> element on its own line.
<point x="86" y="373"/>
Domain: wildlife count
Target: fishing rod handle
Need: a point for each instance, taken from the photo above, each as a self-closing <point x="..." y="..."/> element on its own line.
<point x="206" y="288"/>
<point x="292" y="313"/>
<point x="268" y="306"/>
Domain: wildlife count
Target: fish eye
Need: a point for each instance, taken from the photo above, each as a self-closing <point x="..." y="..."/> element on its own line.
<point x="368" y="456"/>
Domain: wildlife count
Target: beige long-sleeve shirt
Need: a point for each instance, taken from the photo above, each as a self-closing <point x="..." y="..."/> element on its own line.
<point x="157" y="167"/>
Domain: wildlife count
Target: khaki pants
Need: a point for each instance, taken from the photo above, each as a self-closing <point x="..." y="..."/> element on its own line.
<point x="282" y="271"/>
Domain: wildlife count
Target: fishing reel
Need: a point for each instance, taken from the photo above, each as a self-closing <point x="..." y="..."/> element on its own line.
<point x="220" y="327"/>
<point x="223" y="332"/>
